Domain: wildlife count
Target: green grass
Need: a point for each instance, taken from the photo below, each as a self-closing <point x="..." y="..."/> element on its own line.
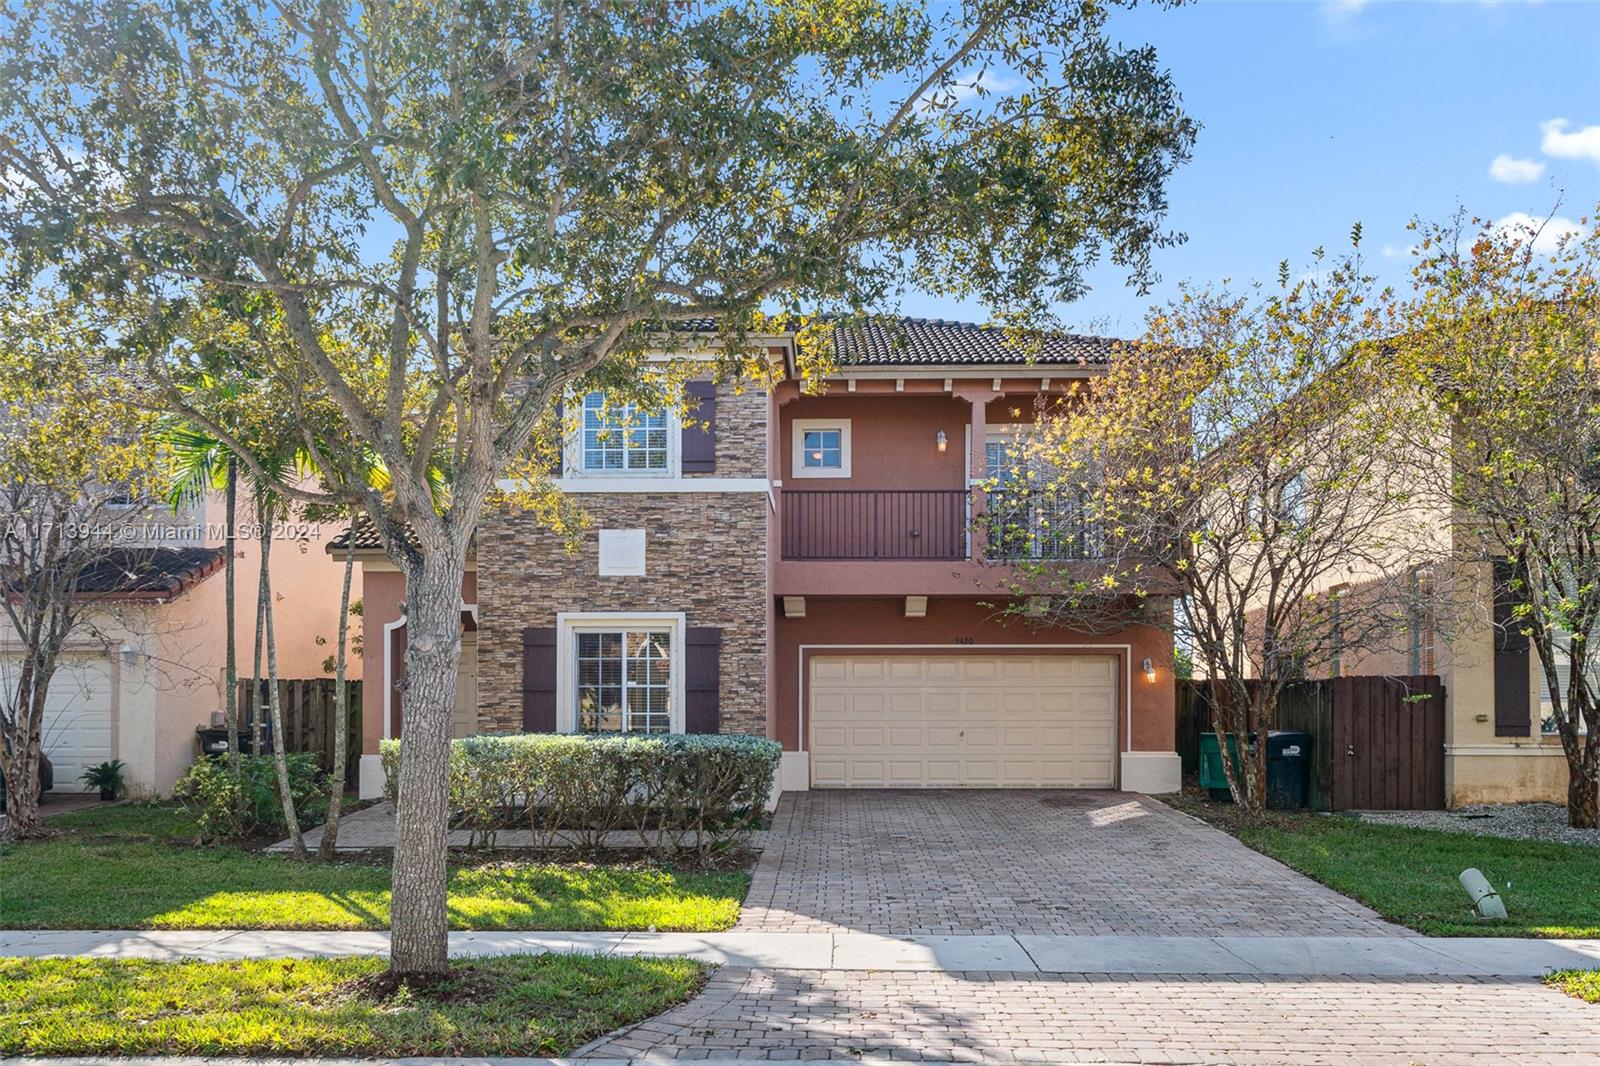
<point x="119" y="868"/>
<point x="512" y="1005"/>
<point x="1579" y="984"/>
<point x="1410" y="875"/>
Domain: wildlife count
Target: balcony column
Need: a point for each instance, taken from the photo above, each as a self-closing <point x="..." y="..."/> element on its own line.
<point x="977" y="459"/>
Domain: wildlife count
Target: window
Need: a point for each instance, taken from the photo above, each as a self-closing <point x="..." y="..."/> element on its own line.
<point x="1547" y="707"/>
<point x="1028" y="516"/>
<point x="623" y="439"/>
<point x="620" y="672"/>
<point x="821" y="447"/>
<point x="624" y="681"/>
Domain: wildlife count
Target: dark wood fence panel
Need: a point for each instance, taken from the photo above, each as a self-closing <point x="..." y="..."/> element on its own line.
<point x="1377" y="742"/>
<point x="1388" y="741"/>
<point x="308" y="712"/>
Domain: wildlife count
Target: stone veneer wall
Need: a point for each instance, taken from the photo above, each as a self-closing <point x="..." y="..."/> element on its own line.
<point x="705" y="555"/>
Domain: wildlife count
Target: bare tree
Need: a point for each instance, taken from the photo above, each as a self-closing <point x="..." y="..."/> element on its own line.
<point x="1241" y="459"/>
<point x="75" y="465"/>
<point x="1503" y="337"/>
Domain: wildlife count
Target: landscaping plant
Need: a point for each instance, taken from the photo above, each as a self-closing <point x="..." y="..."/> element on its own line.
<point x="228" y="806"/>
<point x="106" y="778"/>
<point x="683" y="795"/>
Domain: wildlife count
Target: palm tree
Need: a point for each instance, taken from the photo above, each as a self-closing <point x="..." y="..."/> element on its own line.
<point x="202" y="464"/>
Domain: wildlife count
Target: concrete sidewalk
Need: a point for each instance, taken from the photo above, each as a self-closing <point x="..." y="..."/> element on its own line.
<point x="1132" y="955"/>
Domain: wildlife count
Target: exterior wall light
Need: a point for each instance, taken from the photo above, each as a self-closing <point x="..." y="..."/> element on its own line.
<point x="1149" y="669"/>
<point x="941" y="440"/>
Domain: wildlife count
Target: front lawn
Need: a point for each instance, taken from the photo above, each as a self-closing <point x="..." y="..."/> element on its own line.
<point x="1579" y="984"/>
<point x="122" y="868"/>
<point x="511" y="1005"/>
<point x="1410" y="875"/>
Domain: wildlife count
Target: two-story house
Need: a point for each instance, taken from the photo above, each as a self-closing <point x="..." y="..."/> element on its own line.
<point x="811" y="568"/>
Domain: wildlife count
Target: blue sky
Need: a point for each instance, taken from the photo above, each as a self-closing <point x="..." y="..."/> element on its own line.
<point x="1319" y="115"/>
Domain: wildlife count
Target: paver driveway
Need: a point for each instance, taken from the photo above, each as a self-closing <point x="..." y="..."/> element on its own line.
<point x="1062" y="1018"/>
<point x="1026" y="861"/>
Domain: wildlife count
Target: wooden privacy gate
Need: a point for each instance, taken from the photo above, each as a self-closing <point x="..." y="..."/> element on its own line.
<point x="308" y="718"/>
<point x="1377" y="742"/>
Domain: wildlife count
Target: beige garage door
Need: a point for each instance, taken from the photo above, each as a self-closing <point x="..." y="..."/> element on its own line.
<point x="964" y="721"/>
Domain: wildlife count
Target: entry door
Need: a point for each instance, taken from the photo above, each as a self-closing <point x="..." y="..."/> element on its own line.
<point x="963" y="721"/>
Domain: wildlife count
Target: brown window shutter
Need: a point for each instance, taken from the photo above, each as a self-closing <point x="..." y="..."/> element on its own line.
<point x="699" y="449"/>
<point x="539" y="680"/>
<point x="701" y="675"/>
<point x="1512" y="711"/>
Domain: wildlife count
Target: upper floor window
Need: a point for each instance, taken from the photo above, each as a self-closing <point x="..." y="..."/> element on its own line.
<point x="821" y="447"/>
<point x="621" y="438"/>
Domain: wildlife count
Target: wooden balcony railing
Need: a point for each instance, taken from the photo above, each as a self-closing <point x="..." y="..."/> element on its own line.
<point x="933" y="524"/>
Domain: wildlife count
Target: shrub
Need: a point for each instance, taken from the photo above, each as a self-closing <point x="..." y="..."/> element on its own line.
<point x="232" y="808"/>
<point x="682" y="794"/>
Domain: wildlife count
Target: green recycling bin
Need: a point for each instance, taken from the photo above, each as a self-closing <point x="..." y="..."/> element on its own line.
<point x="1213" y="778"/>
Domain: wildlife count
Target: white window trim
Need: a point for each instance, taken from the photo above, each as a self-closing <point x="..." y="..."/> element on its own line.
<point x="572" y="459"/>
<point x="570" y="623"/>
<point x="797" y="434"/>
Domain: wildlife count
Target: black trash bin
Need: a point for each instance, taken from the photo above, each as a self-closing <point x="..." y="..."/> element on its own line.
<point x="214" y="740"/>
<point x="1288" y="765"/>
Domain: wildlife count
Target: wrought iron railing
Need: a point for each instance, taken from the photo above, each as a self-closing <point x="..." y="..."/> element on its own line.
<point x="875" y="524"/>
<point x="1020" y="524"/>
<point x="934" y="524"/>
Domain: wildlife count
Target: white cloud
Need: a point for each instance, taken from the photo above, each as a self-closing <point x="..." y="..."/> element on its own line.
<point x="1581" y="143"/>
<point x="988" y="81"/>
<point x="1399" y="251"/>
<point x="1546" y="233"/>
<point x="1513" y="171"/>
<point x="965" y="88"/>
<point x="1342" y="10"/>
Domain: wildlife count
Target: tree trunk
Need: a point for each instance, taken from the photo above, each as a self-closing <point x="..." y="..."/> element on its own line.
<point x="230" y="670"/>
<point x="23" y="756"/>
<point x="433" y="650"/>
<point x="279" y="763"/>
<point x="341" y="708"/>
<point x="1583" y="779"/>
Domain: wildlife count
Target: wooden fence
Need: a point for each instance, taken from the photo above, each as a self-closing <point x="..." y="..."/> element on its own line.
<point x="308" y="709"/>
<point x="1377" y="742"/>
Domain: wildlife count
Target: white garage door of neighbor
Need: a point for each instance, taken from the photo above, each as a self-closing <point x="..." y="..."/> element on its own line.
<point x="964" y="721"/>
<point x="77" y="719"/>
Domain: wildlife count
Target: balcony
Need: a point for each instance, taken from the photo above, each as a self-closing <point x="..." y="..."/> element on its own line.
<point x="933" y="525"/>
<point x="904" y="524"/>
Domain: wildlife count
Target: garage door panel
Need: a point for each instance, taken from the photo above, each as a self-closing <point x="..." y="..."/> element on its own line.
<point x="77" y="719"/>
<point x="959" y="720"/>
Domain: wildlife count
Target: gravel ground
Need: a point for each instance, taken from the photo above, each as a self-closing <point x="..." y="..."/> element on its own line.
<point x="1517" y="821"/>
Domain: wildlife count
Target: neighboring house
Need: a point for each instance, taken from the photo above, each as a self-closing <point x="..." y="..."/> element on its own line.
<point x="806" y="569"/>
<point x="147" y="667"/>
<point x="1500" y="740"/>
<point x="1448" y="614"/>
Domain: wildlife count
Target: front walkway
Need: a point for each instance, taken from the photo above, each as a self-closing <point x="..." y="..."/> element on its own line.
<point x="1028" y="862"/>
<point x="865" y="952"/>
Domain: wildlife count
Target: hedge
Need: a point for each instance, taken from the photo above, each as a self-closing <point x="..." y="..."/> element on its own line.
<point x="682" y="794"/>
